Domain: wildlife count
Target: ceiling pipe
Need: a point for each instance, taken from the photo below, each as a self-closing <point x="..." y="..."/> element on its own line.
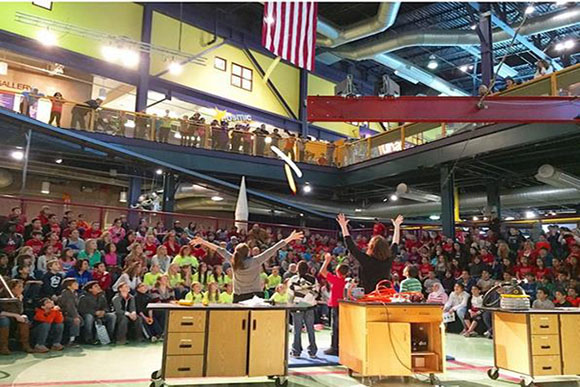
<point x="335" y="36"/>
<point x="547" y="174"/>
<point x="389" y="42"/>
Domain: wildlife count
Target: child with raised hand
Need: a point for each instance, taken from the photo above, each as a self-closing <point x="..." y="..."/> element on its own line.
<point x="281" y="295"/>
<point x="227" y="296"/>
<point x="212" y="295"/>
<point x="195" y="294"/>
<point x="337" y="282"/>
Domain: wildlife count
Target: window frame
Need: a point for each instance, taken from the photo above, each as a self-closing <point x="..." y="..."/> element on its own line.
<point x="242" y="78"/>
<point x="225" y="69"/>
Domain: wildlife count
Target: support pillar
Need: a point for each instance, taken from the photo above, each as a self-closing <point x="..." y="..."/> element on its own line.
<point x="447" y="180"/>
<point x="144" y="62"/>
<point x="302" y="106"/>
<point x="133" y="199"/>
<point x="493" y="200"/>
<point x="486" y="43"/>
<point x="169" y="185"/>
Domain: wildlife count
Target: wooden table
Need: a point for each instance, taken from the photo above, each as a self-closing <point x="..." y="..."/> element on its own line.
<point x="224" y="340"/>
<point x="376" y="339"/>
<point x="536" y="342"/>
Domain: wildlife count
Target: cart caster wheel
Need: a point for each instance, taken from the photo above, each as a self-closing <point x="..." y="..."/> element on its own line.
<point x="524" y="383"/>
<point x="156" y="375"/>
<point x="493" y="373"/>
<point x="281" y="382"/>
<point x="350" y="372"/>
<point x="434" y="380"/>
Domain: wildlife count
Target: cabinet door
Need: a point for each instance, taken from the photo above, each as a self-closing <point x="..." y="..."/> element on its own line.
<point x="570" y="332"/>
<point x="227" y="343"/>
<point x="268" y="335"/>
<point x="388" y="349"/>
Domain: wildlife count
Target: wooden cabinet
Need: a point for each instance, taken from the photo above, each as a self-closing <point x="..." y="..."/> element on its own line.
<point x="268" y="332"/>
<point x="227" y="343"/>
<point x="376" y="340"/>
<point x="537" y="343"/>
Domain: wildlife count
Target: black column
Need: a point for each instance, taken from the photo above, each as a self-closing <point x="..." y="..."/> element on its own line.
<point x="302" y="102"/>
<point x="144" y="60"/>
<point x="493" y="200"/>
<point x="447" y="201"/>
<point x="484" y="31"/>
<point x="169" y="185"/>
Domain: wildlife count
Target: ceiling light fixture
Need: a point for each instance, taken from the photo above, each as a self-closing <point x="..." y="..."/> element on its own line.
<point x="46" y="38"/>
<point x="307" y="188"/>
<point x="111" y="53"/>
<point x="217" y="198"/>
<point x="45" y="187"/>
<point x="129" y="58"/>
<point x="475" y="218"/>
<point x="393" y="198"/>
<point x="358" y="210"/>
<point x="433" y="64"/>
<point x="530" y="10"/>
<point x="17" y="155"/>
<point x="434" y="217"/>
<point x="159" y="171"/>
<point x="123" y="196"/>
<point x="58" y="161"/>
<point x="464" y="68"/>
<point x="175" y="68"/>
<point x="530" y="214"/>
<point x="509" y="218"/>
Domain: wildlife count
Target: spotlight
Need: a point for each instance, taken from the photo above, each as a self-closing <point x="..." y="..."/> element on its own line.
<point x="58" y="161"/>
<point x="17" y="155"/>
<point x="217" y="198"/>
<point x="129" y="58"/>
<point x="530" y="9"/>
<point x="159" y="171"/>
<point x="46" y="38"/>
<point x="464" y="68"/>
<point x="307" y="188"/>
<point x="530" y="214"/>
<point x="175" y="68"/>
<point x="393" y="198"/>
<point x="475" y="218"/>
<point x="111" y="53"/>
<point x="432" y="63"/>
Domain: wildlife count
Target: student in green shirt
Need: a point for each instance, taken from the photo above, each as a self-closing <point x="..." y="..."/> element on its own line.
<point x="91" y="253"/>
<point x="195" y="294"/>
<point x="212" y="296"/>
<point x="227" y="296"/>
<point x="281" y="295"/>
<point x="174" y="275"/>
<point x="151" y="277"/>
<point x="185" y="258"/>
<point x="202" y="275"/>
<point x="411" y="283"/>
<point x="218" y="276"/>
<point x="274" y="279"/>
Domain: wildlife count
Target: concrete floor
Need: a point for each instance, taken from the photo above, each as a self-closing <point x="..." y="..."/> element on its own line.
<point x="131" y="365"/>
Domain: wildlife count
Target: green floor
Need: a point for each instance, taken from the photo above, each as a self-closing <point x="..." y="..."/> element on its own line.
<point x="131" y="365"/>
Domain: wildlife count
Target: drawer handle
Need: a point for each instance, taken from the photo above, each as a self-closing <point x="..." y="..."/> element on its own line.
<point x="544" y="326"/>
<point x="254" y="325"/>
<point x="545" y="347"/>
<point x="547" y="368"/>
<point x="185" y="345"/>
<point x="244" y="325"/>
<point x="186" y="323"/>
<point x="183" y="369"/>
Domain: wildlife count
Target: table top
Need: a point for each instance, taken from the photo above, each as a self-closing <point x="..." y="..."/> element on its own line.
<point x="172" y="306"/>
<point x="394" y="304"/>
<point x="537" y="311"/>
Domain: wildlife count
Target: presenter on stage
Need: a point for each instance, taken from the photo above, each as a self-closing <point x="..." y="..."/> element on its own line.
<point x="375" y="264"/>
<point x="247" y="282"/>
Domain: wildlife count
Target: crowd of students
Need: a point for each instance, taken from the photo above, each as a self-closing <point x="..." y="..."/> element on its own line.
<point x="77" y="282"/>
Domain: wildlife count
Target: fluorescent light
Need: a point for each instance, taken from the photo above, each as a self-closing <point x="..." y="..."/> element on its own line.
<point x="111" y="53"/>
<point x="530" y="9"/>
<point x="393" y="198"/>
<point x="129" y="58"/>
<point x="432" y="64"/>
<point x="475" y="218"/>
<point x="45" y="187"/>
<point x="530" y="214"/>
<point x="434" y="217"/>
<point x="307" y="188"/>
<point x="175" y="68"/>
<point x="159" y="171"/>
<point x="123" y="196"/>
<point x="568" y="44"/>
<point x="17" y="155"/>
<point x="43" y="4"/>
<point x="406" y="77"/>
<point x="358" y="210"/>
<point x="509" y="218"/>
<point x="46" y="37"/>
<point x="217" y="198"/>
<point x="58" y="161"/>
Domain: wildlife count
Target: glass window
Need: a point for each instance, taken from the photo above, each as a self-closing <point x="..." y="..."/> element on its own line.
<point x="242" y="77"/>
<point x="220" y="63"/>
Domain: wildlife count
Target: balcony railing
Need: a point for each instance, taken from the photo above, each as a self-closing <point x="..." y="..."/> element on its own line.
<point x="192" y="133"/>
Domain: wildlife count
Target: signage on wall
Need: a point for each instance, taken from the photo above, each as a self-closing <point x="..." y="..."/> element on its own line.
<point x="224" y="115"/>
<point x="14" y="85"/>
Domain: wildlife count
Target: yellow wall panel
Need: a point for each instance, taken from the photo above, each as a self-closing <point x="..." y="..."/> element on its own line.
<point x="113" y="18"/>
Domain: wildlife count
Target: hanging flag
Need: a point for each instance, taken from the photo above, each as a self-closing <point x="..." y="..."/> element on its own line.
<point x="241" y="215"/>
<point x="289" y="31"/>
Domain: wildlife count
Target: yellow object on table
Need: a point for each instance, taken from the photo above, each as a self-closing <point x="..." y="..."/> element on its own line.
<point x="376" y="339"/>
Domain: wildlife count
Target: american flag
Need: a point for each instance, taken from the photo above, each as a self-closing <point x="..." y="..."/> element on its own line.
<point x="289" y="31"/>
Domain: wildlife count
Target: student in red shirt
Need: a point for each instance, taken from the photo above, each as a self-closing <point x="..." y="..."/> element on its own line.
<point x="424" y="268"/>
<point x="540" y="271"/>
<point x="49" y="326"/>
<point x="337" y="282"/>
<point x="523" y="268"/>
<point x="43" y="215"/>
<point x="36" y="242"/>
<point x="573" y="297"/>
<point x="103" y="277"/>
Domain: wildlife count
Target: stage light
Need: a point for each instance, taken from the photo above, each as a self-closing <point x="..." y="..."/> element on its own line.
<point x="530" y="214"/>
<point x="17" y="155"/>
<point x="58" y="161"/>
<point x="129" y="58"/>
<point x="394" y="198"/>
<point x="307" y="188"/>
<point x="111" y="53"/>
<point x="46" y="38"/>
<point x="530" y="9"/>
<point x="475" y="218"/>
<point x="159" y="171"/>
<point x="217" y="198"/>
<point x="175" y="68"/>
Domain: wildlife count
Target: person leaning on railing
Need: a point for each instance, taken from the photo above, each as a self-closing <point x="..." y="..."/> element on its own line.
<point x="79" y="112"/>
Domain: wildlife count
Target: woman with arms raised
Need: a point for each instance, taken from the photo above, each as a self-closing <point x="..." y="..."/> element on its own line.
<point x="375" y="264"/>
<point x="247" y="281"/>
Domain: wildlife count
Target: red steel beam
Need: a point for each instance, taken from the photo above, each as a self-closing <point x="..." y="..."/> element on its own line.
<point x="443" y="109"/>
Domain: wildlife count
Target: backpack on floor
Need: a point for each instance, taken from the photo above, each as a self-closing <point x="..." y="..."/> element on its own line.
<point x="101" y="332"/>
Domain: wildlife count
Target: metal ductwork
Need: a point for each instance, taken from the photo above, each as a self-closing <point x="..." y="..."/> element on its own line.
<point x="404" y="191"/>
<point x="6" y="178"/>
<point x="335" y="36"/>
<point x="526" y="197"/>
<point x="389" y="42"/>
<point x="547" y="174"/>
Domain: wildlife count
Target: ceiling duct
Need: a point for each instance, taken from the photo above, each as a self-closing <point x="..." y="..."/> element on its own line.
<point x="547" y="174"/>
<point x="335" y="36"/>
<point x="417" y="195"/>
